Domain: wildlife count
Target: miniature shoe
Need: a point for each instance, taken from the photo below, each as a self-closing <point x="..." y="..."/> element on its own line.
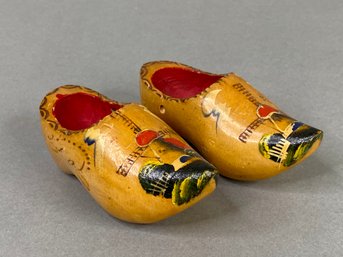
<point x="133" y="164"/>
<point x="230" y="123"/>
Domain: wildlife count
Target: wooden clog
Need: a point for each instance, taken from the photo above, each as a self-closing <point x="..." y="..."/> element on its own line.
<point x="133" y="164"/>
<point x="231" y="124"/>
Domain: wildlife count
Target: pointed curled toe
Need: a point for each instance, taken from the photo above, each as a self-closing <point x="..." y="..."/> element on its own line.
<point x="132" y="163"/>
<point x="231" y="124"/>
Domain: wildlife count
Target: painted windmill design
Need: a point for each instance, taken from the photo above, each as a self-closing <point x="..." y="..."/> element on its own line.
<point x="266" y="112"/>
<point x="279" y="150"/>
<point x="180" y="180"/>
<point x="161" y="184"/>
<point x="156" y="180"/>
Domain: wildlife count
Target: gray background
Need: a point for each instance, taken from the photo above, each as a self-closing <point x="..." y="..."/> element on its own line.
<point x="290" y="50"/>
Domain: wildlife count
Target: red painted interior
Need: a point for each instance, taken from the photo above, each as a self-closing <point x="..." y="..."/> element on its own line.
<point x="182" y="83"/>
<point x="80" y="111"/>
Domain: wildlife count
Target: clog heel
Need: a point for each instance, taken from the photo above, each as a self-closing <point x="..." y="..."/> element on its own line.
<point x="235" y="127"/>
<point x="132" y="163"/>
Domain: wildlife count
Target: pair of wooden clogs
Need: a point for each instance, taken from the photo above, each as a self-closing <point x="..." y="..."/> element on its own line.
<point x="140" y="170"/>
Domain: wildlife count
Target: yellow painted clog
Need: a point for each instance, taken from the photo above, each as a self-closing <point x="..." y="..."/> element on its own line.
<point x="231" y="124"/>
<point x="133" y="164"/>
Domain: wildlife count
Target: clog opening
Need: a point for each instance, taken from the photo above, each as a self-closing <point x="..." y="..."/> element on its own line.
<point x="80" y="110"/>
<point x="182" y="83"/>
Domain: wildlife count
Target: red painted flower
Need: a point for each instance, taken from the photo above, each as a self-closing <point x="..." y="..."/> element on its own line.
<point x="146" y="137"/>
<point x="176" y="142"/>
<point x="265" y="111"/>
